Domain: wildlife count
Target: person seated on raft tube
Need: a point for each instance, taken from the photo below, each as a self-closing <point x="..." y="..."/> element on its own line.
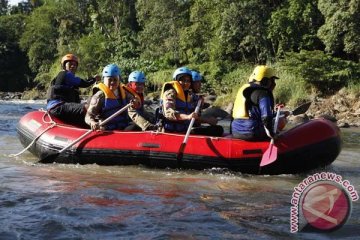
<point x="140" y="116"/>
<point x="254" y="107"/>
<point x="214" y="129"/>
<point x="63" y="98"/>
<point x="108" y="98"/>
<point x="178" y="104"/>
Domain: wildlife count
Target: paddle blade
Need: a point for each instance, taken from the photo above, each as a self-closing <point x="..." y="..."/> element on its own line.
<point x="269" y="156"/>
<point x="301" y="109"/>
<point x="181" y="152"/>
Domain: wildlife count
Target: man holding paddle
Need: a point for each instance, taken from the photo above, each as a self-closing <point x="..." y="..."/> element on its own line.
<point x="179" y="103"/>
<point x="253" y="111"/>
<point x="108" y="97"/>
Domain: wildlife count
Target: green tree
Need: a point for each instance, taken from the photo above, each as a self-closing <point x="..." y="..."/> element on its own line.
<point x="92" y="50"/>
<point x="294" y="26"/>
<point x="73" y="21"/>
<point x="118" y="25"/>
<point x="341" y="30"/>
<point x="198" y="38"/>
<point x="161" y="22"/>
<point x="39" y="39"/>
<point x="3" y="7"/>
<point x="14" y="73"/>
<point x="242" y="34"/>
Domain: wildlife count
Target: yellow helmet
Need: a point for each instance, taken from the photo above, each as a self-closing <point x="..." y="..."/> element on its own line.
<point x="260" y="72"/>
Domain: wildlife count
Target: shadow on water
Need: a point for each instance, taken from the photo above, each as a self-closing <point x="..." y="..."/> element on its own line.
<point x="59" y="201"/>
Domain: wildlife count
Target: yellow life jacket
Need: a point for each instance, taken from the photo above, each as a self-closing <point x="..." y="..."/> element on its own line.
<point x="240" y="110"/>
<point x="110" y="95"/>
<point x="179" y="91"/>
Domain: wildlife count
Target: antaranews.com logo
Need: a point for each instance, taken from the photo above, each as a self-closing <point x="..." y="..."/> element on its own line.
<point x="321" y="202"/>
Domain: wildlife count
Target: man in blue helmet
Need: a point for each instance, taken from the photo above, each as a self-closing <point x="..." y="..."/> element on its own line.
<point x="213" y="129"/>
<point x="140" y="116"/>
<point x="63" y="99"/>
<point x="108" y="98"/>
<point x="178" y="104"/>
<point x="196" y="83"/>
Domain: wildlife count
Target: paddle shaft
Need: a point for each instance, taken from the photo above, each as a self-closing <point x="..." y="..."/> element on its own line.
<point x="277" y="120"/>
<point x="197" y="109"/>
<point x="101" y="124"/>
<point x="183" y="144"/>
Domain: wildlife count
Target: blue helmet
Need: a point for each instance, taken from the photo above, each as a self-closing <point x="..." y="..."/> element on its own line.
<point x="196" y="76"/>
<point x="111" y="70"/>
<point x="137" y="76"/>
<point x="180" y="72"/>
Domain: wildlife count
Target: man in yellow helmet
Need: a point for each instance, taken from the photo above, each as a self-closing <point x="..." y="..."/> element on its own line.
<point x="254" y="106"/>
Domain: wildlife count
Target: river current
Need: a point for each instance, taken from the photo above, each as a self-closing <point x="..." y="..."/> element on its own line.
<point x="67" y="201"/>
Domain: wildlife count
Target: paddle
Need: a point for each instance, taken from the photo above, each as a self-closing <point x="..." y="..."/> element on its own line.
<point x="183" y="144"/>
<point x="50" y="158"/>
<point x="270" y="155"/>
<point x="300" y="109"/>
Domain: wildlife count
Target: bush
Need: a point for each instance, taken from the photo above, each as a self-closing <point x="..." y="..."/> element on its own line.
<point x="327" y="74"/>
<point x="291" y="90"/>
<point x="157" y="79"/>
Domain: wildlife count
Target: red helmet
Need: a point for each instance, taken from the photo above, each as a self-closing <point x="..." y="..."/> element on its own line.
<point x="69" y="57"/>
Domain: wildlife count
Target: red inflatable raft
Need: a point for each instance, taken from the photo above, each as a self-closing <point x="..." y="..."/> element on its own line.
<point x="308" y="146"/>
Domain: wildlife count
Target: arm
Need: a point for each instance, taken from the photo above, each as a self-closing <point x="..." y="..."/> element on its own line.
<point x="72" y="80"/>
<point x="262" y="98"/>
<point x="94" y="111"/>
<point x="139" y="119"/>
<point x="169" y="106"/>
<point x="135" y="101"/>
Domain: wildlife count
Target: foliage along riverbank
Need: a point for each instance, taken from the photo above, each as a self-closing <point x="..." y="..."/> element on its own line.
<point x="222" y="39"/>
<point x="314" y="51"/>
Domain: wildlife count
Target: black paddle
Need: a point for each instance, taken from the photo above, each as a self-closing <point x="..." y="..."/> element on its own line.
<point x="51" y="158"/>
<point x="301" y="109"/>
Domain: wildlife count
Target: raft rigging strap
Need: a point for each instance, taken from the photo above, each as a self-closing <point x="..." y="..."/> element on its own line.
<point x="53" y="124"/>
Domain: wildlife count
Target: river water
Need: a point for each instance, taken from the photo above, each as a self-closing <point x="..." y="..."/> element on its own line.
<point x="59" y="201"/>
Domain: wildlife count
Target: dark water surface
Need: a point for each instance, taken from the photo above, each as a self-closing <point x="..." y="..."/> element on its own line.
<point x="58" y="201"/>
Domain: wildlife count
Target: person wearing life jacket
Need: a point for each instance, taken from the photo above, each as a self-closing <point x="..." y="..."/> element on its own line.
<point x="177" y="102"/>
<point x="108" y="97"/>
<point x="63" y="99"/>
<point x="213" y="129"/>
<point x="178" y="105"/>
<point x="140" y="116"/>
<point x="253" y="110"/>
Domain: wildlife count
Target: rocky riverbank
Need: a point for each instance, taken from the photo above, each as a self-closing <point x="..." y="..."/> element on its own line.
<point x="5" y="96"/>
<point x="342" y="108"/>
